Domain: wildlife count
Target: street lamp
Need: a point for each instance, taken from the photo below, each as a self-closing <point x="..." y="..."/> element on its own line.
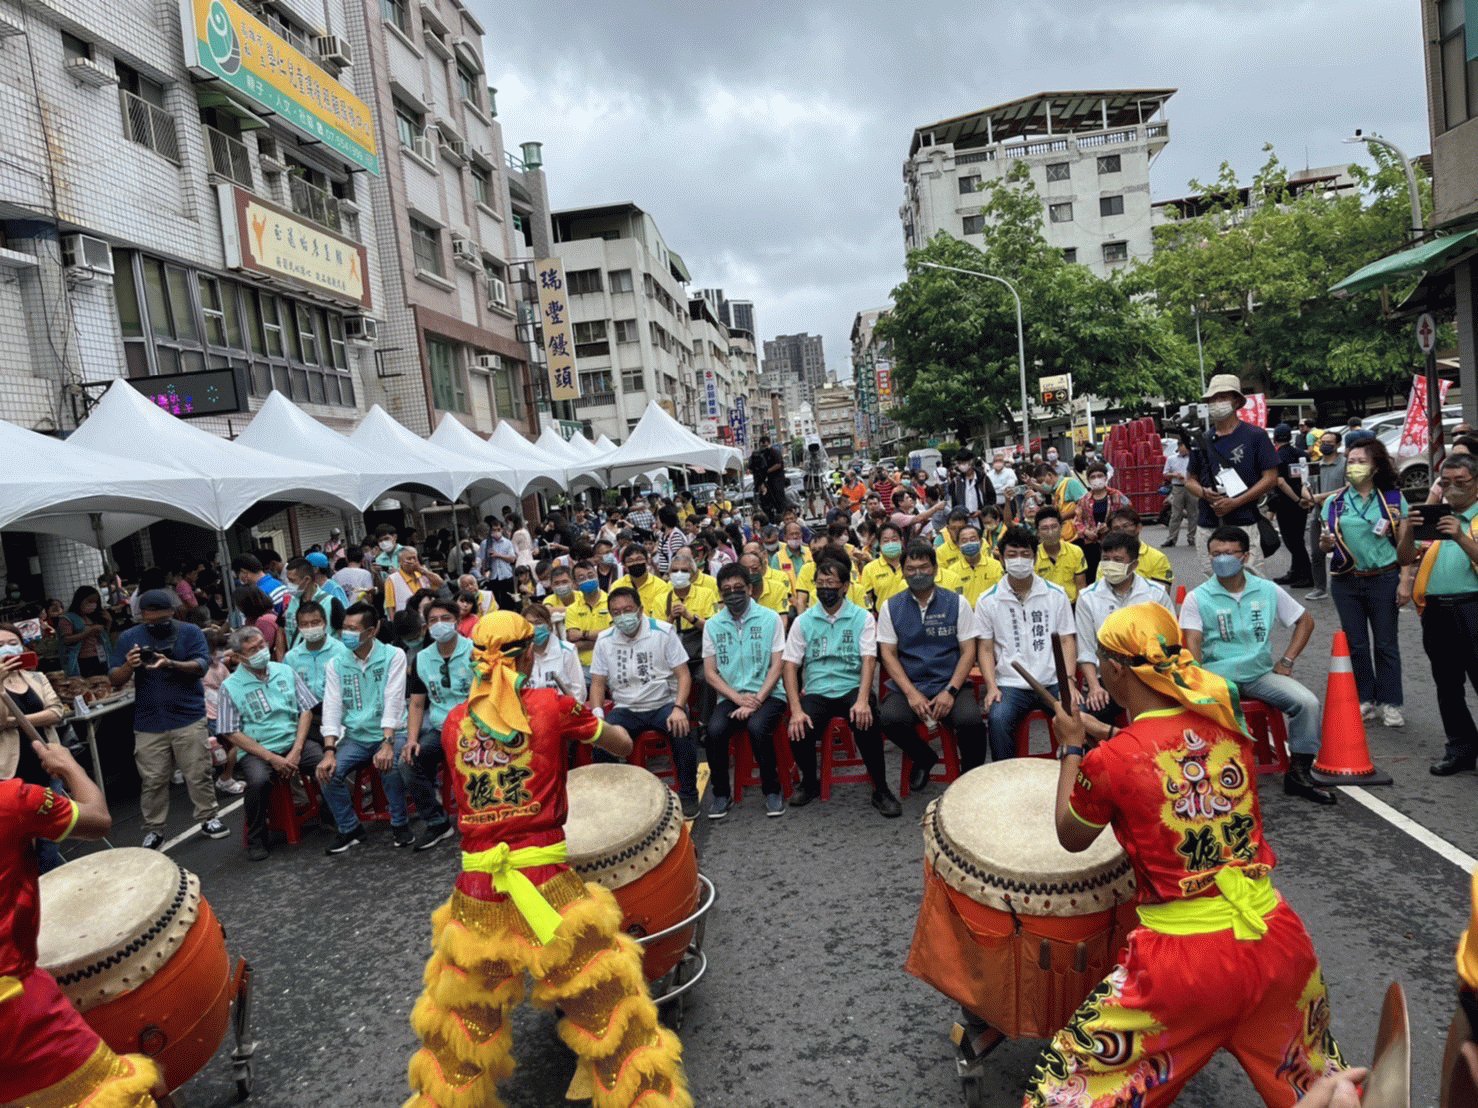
<point x="1026" y="435"/>
<point x="1201" y="359"/>
<point x="1416" y="202"/>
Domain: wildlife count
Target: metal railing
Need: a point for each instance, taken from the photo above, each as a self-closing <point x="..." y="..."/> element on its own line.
<point x="977" y="156"/>
<point x="319" y="205"/>
<point x="229" y="157"/>
<point x="595" y="399"/>
<point x="149" y="126"/>
<point x="1157" y="130"/>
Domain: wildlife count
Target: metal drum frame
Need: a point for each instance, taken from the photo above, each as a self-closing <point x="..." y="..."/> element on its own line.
<point x="669" y="991"/>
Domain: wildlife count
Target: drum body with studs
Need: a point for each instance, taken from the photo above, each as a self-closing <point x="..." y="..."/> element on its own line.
<point x="138" y="951"/>
<point x="625" y="831"/>
<point x="1012" y="926"/>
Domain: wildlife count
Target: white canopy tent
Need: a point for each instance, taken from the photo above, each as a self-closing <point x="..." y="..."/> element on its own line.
<point x="660" y="440"/>
<point x="554" y="466"/>
<point x="579" y="469"/>
<point x="449" y="473"/>
<point x="604" y="445"/>
<point x="522" y="475"/>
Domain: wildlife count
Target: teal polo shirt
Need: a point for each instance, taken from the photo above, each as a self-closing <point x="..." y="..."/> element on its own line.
<point x="1453" y="572"/>
<point x="1357" y="517"/>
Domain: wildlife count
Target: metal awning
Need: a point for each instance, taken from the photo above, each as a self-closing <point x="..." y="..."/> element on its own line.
<point x="1418" y="261"/>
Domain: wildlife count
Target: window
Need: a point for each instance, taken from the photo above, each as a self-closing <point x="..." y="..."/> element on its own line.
<point x="1110" y="205"/>
<point x="505" y="394"/>
<point x="1060" y="213"/>
<point x="467" y="85"/>
<point x="1070" y="254"/>
<point x="1108" y="163"/>
<point x="1059" y="171"/>
<point x="307" y="334"/>
<point x="582" y="281"/>
<point x="969" y="184"/>
<point x="591" y="338"/>
<point x="595" y="387"/>
<point x="1459" y="75"/>
<point x="408" y="123"/>
<point x="620" y="280"/>
<point x="215" y="314"/>
<point x="482" y="186"/>
<point x="633" y="380"/>
<point x="74" y="47"/>
<point x="426" y="246"/>
<point x="1115" y="252"/>
<point x="626" y="330"/>
<point x="144" y="119"/>
<point x="448" y="384"/>
<point x="974" y="224"/>
<point x="397" y="13"/>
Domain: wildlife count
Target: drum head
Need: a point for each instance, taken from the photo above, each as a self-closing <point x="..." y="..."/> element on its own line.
<point x="993" y="837"/>
<point x="111" y="919"/>
<point x="622" y="822"/>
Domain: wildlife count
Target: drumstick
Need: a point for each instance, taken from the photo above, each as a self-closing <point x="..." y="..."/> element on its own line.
<point x="1064" y="687"/>
<point x="1037" y="687"/>
<point x="25" y="724"/>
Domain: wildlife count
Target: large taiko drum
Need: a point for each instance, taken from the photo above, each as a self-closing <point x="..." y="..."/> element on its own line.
<point x="1012" y="926"/>
<point x="625" y="831"/>
<point x="140" y="954"/>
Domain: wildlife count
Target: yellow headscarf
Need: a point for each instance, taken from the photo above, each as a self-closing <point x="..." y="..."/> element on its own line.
<point x="1149" y="637"/>
<point x="493" y="702"/>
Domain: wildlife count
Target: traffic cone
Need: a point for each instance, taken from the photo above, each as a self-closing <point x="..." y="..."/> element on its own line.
<point x="1344" y="755"/>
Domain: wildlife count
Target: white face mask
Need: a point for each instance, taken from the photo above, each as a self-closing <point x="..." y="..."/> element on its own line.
<point x="1019" y="568"/>
<point x="1221" y="410"/>
<point x="387" y="544"/>
<point x="1097" y="482"/>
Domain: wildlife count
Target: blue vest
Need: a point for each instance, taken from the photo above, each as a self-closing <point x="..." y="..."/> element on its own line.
<point x="742" y="654"/>
<point x="268" y="709"/>
<point x="833" y="649"/>
<point x="928" y="642"/>
<point x="363" y="693"/>
<point x="1235" y="633"/>
<point x="312" y="665"/>
<point x="441" y="699"/>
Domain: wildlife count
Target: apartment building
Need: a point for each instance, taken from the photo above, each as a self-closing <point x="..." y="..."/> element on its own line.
<point x="872" y="377"/>
<point x="795" y="358"/>
<point x="836" y="410"/>
<point x="1089" y="154"/>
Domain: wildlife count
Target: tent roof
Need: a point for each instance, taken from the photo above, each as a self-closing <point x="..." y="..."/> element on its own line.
<point x="1419" y="260"/>
<point x="126" y="424"/>
<point x="517" y="471"/>
<point x="579" y="469"/>
<point x="449" y="473"/>
<point x="554" y="466"/>
<point x="660" y="440"/>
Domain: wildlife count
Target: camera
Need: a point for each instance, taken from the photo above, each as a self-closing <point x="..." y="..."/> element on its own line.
<point x="148" y="655"/>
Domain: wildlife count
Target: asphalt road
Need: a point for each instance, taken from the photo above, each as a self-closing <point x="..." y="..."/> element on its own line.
<point x="806" y="1000"/>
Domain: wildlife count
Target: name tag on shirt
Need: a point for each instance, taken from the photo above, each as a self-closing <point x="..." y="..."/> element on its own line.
<point x="1381" y="527"/>
<point x="1231" y="482"/>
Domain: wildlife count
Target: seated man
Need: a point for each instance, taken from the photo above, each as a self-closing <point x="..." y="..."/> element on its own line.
<point x="266" y="711"/>
<point x="556" y="663"/>
<point x="693" y="605"/>
<point x="1059" y="561"/>
<point x="586" y="616"/>
<point x="976" y="568"/>
<point x="314" y="650"/>
<point x="837" y="642"/>
<point x="652" y="590"/>
<point x="1149" y="563"/>
<point x="742" y="650"/>
<point x="640" y="663"/>
<point x="768" y="587"/>
<point x="1214" y="936"/>
<point x="1228" y="625"/>
<point x="926" y="636"/>
<point x="439" y="676"/>
<point x="1119" y="585"/>
<point x="1015" y="620"/>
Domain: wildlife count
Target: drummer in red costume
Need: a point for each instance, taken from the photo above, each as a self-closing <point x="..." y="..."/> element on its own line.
<point x="517" y="908"/>
<point x="50" y="1058"/>
<point x="1219" y="959"/>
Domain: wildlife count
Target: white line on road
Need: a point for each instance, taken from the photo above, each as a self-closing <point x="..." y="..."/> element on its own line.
<point x="194" y="828"/>
<point x="1464" y="861"/>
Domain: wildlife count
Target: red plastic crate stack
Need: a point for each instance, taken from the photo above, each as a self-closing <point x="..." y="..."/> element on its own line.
<point x="1138" y="457"/>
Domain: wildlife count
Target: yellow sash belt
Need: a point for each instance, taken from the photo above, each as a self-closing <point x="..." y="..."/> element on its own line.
<point x="10" y="988"/>
<point x="506" y="868"/>
<point x="1244" y="905"/>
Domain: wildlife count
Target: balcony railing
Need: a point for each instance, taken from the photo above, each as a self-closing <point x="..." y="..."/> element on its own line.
<point x="229" y="157"/>
<point x="317" y="204"/>
<point x="149" y="126"/>
<point x="595" y="399"/>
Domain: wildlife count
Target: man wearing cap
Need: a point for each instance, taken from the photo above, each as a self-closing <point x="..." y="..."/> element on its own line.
<point x="1230" y="470"/>
<point x="168" y="712"/>
<point x="333" y="550"/>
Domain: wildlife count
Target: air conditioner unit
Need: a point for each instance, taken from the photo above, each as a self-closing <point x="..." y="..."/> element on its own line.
<point x="466" y="253"/>
<point x="87" y="252"/>
<point x="361" y="328"/>
<point x="91" y="73"/>
<point x="270" y="164"/>
<point x="425" y="147"/>
<point x="489" y="363"/>
<point x="459" y="149"/>
<point x="497" y="293"/>
<point x="333" y="50"/>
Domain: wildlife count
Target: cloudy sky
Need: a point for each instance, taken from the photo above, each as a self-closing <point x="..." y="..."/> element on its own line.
<point x="767" y="139"/>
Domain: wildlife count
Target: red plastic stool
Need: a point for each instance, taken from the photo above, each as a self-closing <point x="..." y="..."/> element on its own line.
<point x="945" y="770"/>
<point x="379" y="809"/>
<point x="283" y="814"/>
<point x="1024" y="735"/>
<point x="843" y="770"/>
<point x="1270" y="734"/>
<point x="652" y="744"/>
<point x="746" y="772"/>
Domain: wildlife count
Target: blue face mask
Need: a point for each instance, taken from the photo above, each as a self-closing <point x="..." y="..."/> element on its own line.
<point x="589" y="588"/>
<point x="350" y="639"/>
<point x="1226" y="566"/>
<point x="970" y="549"/>
<point x="541" y="635"/>
<point x="627" y="622"/>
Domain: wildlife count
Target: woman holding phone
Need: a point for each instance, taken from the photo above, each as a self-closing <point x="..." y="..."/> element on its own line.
<point x="1363" y="524"/>
<point x="35" y="697"/>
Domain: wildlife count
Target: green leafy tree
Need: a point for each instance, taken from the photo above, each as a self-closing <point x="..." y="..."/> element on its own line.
<point x="1256" y="264"/>
<point x="953" y="336"/>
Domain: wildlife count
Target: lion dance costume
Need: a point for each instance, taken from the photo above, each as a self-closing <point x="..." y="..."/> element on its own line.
<point x="49" y="1058"/>
<point x="1219" y="959"/>
<point x="517" y="908"/>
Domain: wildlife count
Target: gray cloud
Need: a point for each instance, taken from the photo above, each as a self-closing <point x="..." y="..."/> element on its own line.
<point x="767" y="139"/>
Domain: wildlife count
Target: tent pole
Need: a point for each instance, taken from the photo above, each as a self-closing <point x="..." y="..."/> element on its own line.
<point x="227" y="578"/>
<point x="97" y="530"/>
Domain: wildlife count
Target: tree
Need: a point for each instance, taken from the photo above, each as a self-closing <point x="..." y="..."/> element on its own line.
<point x="1256" y="265"/>
<point x="953" y="336"/>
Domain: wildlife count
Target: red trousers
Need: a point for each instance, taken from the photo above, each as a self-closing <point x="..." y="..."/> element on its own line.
<point x="1174" y="1000"/>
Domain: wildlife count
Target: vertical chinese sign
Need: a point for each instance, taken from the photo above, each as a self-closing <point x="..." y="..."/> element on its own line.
<point x="559" y="342"/>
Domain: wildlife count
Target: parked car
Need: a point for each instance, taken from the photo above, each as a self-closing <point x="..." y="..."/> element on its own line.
<point x="1413" y="474"/>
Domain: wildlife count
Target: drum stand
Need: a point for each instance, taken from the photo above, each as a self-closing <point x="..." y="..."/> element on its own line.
<point x="974" y="1039"/>
<point x="669" y="990"/>
<point x="240" y="1024"/>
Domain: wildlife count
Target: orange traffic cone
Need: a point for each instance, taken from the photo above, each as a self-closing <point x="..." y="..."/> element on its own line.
<point x="1344" y="755"/>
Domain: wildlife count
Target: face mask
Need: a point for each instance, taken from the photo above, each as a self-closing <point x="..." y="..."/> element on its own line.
<point x="1220" y="410"/>
<point x="757" y="578"/>
<point x="726" y="521"/>
<point x="1226" y="566"/>
<point x="387" y="545"/>
<point x="627" y="622"/>
<point x="162" y="629"/>
<point x="350" y="639"/>
<point x="11" y="649"/>
<point x="260" y="659"/>
<point x="564" y="592"/>
<point x="1019" y="568"/>
<point x="1115" y="573"/>
<point x="829" y="598"/>
<point x="892" y="549"/>
<point x="970" y="549"/>
<point x="313" y="634"/>
<point x="608" y="559"/>
<point x="921" y="582"/>
<point x="1359" y="472"/>
<point x="1097" y="482"/>
<point x="541" y="636"/>
<point x="795" y="544"/>
<point x="736" y="603"/>
<point x="772" y="546"/>
<point x="414" y="642"/>
<point x="443" y="631"/>
<point x="589" y="588"/>
<point x="637" y="570"/>
<point x="1052" y="455"/>
<point x="680" y="579"/>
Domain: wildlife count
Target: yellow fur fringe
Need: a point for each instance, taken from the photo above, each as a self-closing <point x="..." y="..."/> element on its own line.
<point x="105" y="1080"/>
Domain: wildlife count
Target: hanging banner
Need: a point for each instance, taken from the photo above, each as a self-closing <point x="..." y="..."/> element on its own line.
<point x="710" y="395"/>
<point x="559" y="343"/>
<point x="1255" y="411"/>
<point x="1414" y="437"/>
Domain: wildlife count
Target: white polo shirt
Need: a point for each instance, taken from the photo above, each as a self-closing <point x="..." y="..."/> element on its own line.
<point x="640" y="672"/>
<point x="1099" y="601"/>
<point x="1021" y="630"/>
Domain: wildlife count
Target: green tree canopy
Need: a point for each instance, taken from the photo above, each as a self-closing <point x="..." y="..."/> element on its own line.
<point x="953" y="336"/>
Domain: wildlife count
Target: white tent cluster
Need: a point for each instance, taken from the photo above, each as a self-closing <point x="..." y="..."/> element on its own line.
<point x="132" y="464"/>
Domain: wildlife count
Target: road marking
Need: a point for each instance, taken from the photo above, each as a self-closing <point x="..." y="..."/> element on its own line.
<point x="1464" y="861"/>
<point x="195" y="827"/>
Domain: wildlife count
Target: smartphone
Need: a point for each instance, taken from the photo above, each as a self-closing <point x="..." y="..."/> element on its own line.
<point x="1430" y="514"/>
<point x="29" y="660"/>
